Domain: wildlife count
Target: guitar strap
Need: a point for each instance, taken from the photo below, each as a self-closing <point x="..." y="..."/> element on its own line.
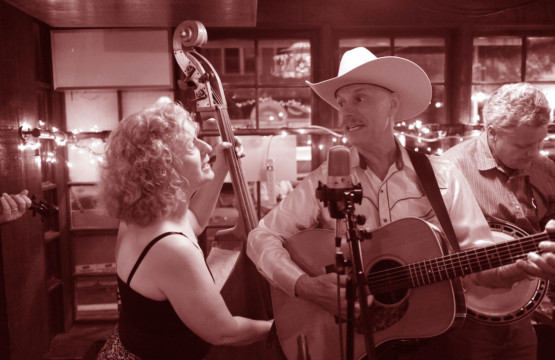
<point x="428" y="182"/>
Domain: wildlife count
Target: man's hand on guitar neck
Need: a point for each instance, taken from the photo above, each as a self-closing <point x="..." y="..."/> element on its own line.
<point x="542" y="264"/>
<point x="537" y="265"/>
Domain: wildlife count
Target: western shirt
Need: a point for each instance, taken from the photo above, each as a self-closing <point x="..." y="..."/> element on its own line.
<point x="399" y="195"/>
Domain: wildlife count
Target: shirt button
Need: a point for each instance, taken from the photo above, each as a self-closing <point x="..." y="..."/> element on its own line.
<point x="384" y="220"/>
<point x="381" y="191"/>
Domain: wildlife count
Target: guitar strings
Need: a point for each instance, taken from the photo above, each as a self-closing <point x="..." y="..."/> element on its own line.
<point x="469" y="261"/>
<point x="377" y="278"/>
<point x="403" y="272"/>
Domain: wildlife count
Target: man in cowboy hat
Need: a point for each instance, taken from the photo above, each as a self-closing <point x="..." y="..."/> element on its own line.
<point x="371" y="94"/>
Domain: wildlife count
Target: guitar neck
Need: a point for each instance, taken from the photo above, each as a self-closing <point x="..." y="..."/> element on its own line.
<point x="454" y="265"/>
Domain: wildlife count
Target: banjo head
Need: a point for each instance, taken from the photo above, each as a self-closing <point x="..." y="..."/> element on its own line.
<point x="503" y="305"/>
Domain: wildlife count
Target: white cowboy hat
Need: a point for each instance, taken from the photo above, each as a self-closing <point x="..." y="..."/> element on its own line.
<point x="360" y="66"/>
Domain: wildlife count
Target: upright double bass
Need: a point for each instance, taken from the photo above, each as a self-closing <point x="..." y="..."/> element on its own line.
<point x="244" y="290"/>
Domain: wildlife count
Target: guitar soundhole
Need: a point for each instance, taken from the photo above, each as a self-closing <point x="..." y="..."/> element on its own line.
<point x="386" y="291"/>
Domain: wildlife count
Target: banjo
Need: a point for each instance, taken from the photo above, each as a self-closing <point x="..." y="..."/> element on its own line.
<point x="502" y="305"/>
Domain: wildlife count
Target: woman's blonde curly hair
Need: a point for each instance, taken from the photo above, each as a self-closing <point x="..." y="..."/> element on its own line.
<point x="143" y="178"/>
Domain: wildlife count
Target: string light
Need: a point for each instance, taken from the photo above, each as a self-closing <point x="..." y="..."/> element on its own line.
<point x="437" y="137"/>
<point x="31" y="140"/>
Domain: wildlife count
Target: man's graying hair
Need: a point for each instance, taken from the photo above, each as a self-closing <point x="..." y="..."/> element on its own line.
<point x="513" y="105"/>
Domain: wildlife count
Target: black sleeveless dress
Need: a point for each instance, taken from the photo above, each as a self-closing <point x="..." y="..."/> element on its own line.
<point x="149" y="329"/>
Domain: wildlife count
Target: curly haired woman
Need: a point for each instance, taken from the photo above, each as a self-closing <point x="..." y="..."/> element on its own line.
<point x="159" y="181"/>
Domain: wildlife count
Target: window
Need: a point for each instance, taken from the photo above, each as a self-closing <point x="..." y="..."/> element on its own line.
<point x="499" y="60"/>
<point x="269" y="106"/>
<point x="89" y="114"/>
<point x="428" y="53"/>
<point x="264" y="81"/>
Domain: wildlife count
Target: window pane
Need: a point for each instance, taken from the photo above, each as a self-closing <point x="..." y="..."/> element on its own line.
<point x="232" y="59"/>
<point x="497" y="59"/>
<point x="540" y="59"/>
<point x="480" y="93"/>
<point x="428" y="53"/>
<point x="281" y="149"/>
<point x="378" y="46"/>
<point x="133" y="101"/>
<point x="241" y="105"/>
<point x="284" y="62"/>
<point x="548" y="146"/>
<point x="85" y="212"/>
<point x="87" y="110"/>
<point x="83" y="157"/>
<point x="279" y="107"/>
<point x="435" y="112"/>
<point x="549" y="91"/>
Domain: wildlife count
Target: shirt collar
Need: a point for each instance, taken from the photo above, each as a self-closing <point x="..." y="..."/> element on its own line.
<point x="485" y="160"/>
<point x="483" y="157"/>
<point x="357" y="160"/>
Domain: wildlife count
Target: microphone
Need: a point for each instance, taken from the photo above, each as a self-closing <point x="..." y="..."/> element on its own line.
<point x="339" y="178"/>
<point x="339" y="186"/>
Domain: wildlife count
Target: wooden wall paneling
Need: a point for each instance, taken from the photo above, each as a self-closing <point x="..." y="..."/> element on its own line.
<point x="459" y="75"/>
<point x="409" y="13"/>
<point x="24" y="311"/>
<point x="59" y="121"/>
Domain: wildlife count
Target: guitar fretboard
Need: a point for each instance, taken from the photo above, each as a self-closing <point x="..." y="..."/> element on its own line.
<point x="454" y="265"/>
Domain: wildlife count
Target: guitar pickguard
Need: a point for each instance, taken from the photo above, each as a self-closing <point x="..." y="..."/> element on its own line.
<point x="383" y="317"/>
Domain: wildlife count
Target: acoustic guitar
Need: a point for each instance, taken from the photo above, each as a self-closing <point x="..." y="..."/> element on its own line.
<point x="415" y="283"/>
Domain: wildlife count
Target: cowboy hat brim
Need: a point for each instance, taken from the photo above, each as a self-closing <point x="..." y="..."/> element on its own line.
<point x="391" y="72"/>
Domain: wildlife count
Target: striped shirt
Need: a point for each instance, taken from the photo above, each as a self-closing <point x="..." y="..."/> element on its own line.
<point x="525" y="199"/>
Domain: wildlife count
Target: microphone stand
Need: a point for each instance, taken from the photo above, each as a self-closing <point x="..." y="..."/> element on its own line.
<point x="342" y="206"/>
<point x="357" y="280"/>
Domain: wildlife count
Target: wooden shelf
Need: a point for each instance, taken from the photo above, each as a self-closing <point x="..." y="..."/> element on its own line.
<point x="95" y="273"/>
<point x="51" y="235"/>
<point x="47" y="185"/>
<point x="53" y="283"/>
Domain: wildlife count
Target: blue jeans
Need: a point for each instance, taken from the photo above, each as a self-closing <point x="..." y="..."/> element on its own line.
<point x="473" y="341"/>
<point x="476" y="341"/>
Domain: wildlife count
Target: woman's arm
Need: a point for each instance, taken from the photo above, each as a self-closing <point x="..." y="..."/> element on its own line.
<point x="182" y="275"/>
<point x="203" y="202"/>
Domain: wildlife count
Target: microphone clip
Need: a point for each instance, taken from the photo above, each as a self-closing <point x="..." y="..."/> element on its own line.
<point x="339" y="201"/>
